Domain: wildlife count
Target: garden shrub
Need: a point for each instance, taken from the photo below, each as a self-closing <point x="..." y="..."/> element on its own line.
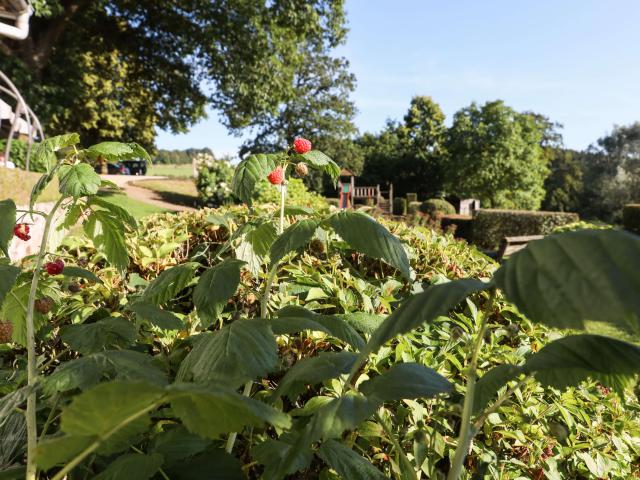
<point x="413" y="207"/>
<point x="412" y="197"/>
<point x="491" y="226"/>
<point x="631" y="218"/>
<point x="460" y="225"/>
<point x="399" y="206"/>
<point x="18" y="155"/>
<point x="437" y="206"/>
<point x="581" y="225"/>
<point x="214" y="181"/>
<point x="297" y="193"/>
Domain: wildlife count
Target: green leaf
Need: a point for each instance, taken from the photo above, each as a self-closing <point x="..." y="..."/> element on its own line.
<point x="132" y="465"/>
<point x="318" y="159"/>
<point x="177" y="443"/>
<point x="59" y="142"/>
<point x="250" y="171"/>
<point x="105" y="408"/>
<point x="286" y="455"/>
<point x="242" y="350"/>
<point x="295" y="210"/>
<point x="14" y="309"/>
<point x="348" y="463"/>
<point x="8" y="276"/>
<point x="405" y="380"/>
<point x="570" y="360"/>
<point x="58" y="450"/>
<point x="261" y="238"/>
<point x="162" y="319"/>
<point x="115" y="151"/>
<point x="367" y="236"/>
<point x="295" y="319"/>
<point x="41" y="184"/>
<point x="116" y="211"/>
<point x="339" y="415"/>
<point x="78" y="180"/>
<point x="7" y="222"/>
<point x="294" y="237"/>
<point x="491" y="382"/>
<point x="315" y="370"/>
<point x="362" y="322"/>
<point x="139" y="152"/>
<point x="107" y="234"/>
<point x="85" y="372"/>
<point x="566" y="279"/>
<point x="200" y="467"/>
<point x="71" y="271"/>
<point x="93" y="337"/>
<point x="169" y="283"/>
<point x="213" y="410"/>
<point x="44" y="153"/>
<point x="419" y="309"/>
<point x="215" y="287"/>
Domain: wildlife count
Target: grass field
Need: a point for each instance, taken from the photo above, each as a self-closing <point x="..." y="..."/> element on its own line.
<point x="17" y="184"/>
<point x="135" y="207"/>
<point x="178" y="171"/>
<point x="176" y="191"/>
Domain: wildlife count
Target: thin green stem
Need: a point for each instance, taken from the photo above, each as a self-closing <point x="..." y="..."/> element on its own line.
<point x="264" y="303"/>
<point x="477" y="425"/>
<point x="94" y="446"/>
<point x="467" y="432"/>
<point x="394" y="442"/>
<point x="51" y="417"/>
<point x="32" y="371"/>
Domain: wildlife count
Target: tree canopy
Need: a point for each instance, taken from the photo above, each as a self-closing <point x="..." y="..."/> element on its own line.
<point x="496" y="155"/>
<point x="121" y="68"/>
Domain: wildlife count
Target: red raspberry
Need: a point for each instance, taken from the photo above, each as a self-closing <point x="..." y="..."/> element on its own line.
<point x="277" y="176"/>
<point x="301" y="145"/>
<point x="55" y="267"/>
<point x="21" y="230"/>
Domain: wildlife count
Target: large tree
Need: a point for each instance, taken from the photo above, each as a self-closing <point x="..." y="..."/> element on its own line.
<point x="496" y="155"/>
<point x="408" y="154"/>
<point x="564" y="185"/>
<point x="612" y="173"/>
<point x="120" y="68"/>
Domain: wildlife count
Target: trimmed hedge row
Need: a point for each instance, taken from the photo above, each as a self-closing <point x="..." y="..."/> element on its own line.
<point x="491" y="226"/>
<point x="435" y="206"/>
<point x="631" y="218"/>
<point x="461" y="226"/>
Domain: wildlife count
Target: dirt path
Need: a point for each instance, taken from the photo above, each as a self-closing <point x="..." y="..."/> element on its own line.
<point x="143" y="194"/>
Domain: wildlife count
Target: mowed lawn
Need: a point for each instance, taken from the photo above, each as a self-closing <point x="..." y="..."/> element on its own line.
<point x="17" y="184"/>
<point x="135" y="207"/>
<point x="178" y="171"/>
<point x="172" y="190"/>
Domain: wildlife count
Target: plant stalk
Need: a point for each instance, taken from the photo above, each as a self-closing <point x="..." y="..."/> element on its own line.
<point x="32" y="371"/>
<point x="264" y="303"/>
<point x="467" y="430"/>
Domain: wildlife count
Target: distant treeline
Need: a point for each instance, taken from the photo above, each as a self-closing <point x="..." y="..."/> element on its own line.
<point x="178" y="157"/>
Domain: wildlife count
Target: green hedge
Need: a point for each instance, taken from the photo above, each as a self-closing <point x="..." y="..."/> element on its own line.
<point x="413" y="207"/>
<point x="631" y="218"/>
<point x="412" y="197"/>
<point x="433" y="206"/>
<point x="491" y="226"/>
<point x="399" y="206"/>
<point x="460" y="225"/>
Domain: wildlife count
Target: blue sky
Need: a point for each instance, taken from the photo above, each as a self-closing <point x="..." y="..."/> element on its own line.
<point x="576" y="61"/>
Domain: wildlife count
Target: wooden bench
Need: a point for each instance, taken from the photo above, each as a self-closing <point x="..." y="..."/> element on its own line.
<point x="511" y="245"/>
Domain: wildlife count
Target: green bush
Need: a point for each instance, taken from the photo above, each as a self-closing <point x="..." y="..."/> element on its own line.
<point x="491" y="226"/>
<point x="413" y="207"/>
<point x="297" y="193"/>
<point x="399" y="206"/>
<point x="435" y="206"/>
<point x="412" y="197"/>
<point x="335" y="202"/>
<point x="581" y="225"/>
<point x="18" y="155"/>
<point x="631" y="218"/>
<point x="460" y="225"/>
<point x="214" y="182"/>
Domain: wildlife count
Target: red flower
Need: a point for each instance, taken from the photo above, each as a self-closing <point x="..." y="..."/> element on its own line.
<point x="55" y="267"/>
<point x="21" y="230"/>
<point x="301" y="145"/>
<point x="277" y="176"/>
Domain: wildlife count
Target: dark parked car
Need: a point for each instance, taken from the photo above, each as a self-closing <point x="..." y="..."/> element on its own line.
<point x="115" y="169"/>
<point x="135" y="167"/>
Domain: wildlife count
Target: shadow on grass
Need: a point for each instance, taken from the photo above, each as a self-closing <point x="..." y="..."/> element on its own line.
<point x="176" y="198"/>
